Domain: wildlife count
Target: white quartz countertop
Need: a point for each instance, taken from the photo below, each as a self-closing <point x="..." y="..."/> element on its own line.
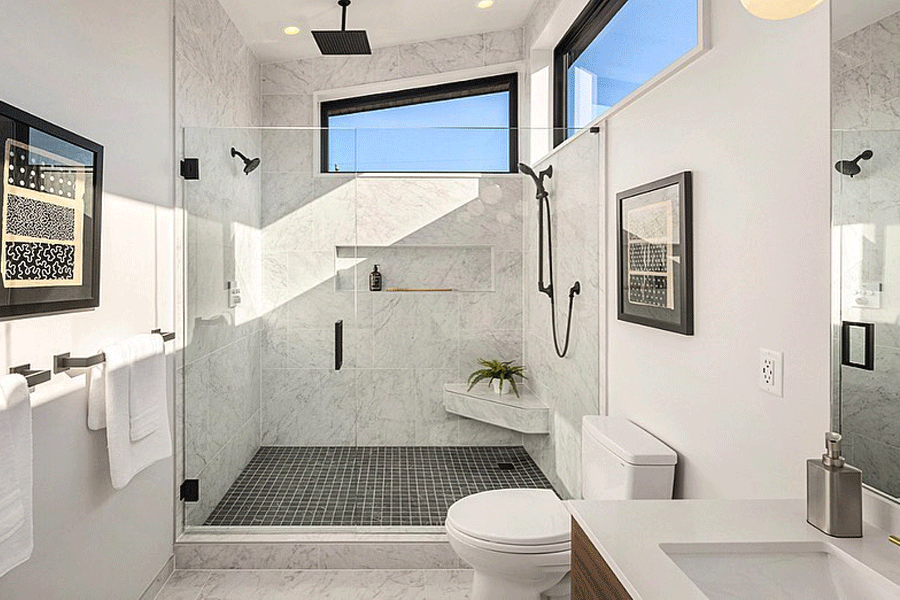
<point x="628" y="535"/>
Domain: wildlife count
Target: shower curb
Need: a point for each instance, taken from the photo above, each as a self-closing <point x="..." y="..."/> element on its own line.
<point x="295" y="555"/>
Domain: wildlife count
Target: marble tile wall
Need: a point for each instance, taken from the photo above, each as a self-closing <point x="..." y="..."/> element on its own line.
<point x="574" y="385"/>
<point x="217" y="87"/>
<point x="866" y="217"/>
<point x="400" y="348"/>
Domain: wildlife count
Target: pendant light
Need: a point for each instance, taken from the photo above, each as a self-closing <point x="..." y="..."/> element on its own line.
<point x="777" y="10"/>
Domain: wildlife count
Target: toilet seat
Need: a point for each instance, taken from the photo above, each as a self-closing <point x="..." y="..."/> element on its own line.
<point x="492" y="546"/>
<point x="515" y="521"/>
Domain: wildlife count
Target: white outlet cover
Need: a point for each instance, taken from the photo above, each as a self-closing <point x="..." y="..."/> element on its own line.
<point x="771" y="372"/>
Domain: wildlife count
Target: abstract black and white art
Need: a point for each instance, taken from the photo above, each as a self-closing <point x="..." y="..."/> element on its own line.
<point x="655" y="254"/>
<point x="50" y="234"/>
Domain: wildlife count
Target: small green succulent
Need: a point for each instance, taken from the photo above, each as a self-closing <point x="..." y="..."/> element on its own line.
<point x="495" y="369"/>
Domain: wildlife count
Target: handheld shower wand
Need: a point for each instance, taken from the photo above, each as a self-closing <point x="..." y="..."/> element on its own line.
<point x="543" y="198"/>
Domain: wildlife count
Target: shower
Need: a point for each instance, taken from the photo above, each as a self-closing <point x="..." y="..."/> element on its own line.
<point x="543" y="199"/>
<point x="249" y="164"/>
<point x="851" y="167"/>
<point x="341" y="41"/>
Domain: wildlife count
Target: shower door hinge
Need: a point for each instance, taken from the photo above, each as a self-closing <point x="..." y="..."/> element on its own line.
<point x="190" y="168"/>
<point x="190" y="490"/>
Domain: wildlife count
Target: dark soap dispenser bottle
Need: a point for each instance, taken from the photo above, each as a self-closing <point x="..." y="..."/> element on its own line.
<point x="375" y="280"/>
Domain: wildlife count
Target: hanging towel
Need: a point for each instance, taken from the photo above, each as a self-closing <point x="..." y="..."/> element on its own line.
<point x="133" y="387"/>
<point x="16" y="525"/>
<point x="96" y="385"/>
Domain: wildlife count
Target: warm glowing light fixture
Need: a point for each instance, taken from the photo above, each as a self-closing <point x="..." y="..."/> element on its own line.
<point x="291" y="30"/>
<point x="485" y="4"/>
<point x="777" y="10"/>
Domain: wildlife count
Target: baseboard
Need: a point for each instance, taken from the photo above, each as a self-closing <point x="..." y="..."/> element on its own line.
<point x="160" y="580"/>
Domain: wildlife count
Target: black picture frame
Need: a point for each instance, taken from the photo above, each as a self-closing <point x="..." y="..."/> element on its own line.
<point x="79" y="160"/>
<point x="655" y="254"/>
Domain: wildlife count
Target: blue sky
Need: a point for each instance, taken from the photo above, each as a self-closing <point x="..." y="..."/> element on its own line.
<point x="463" y="134"/>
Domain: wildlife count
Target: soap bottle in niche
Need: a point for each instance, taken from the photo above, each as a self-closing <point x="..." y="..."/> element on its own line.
<point x="375" y="280"/>
<point x="834" y="492"/>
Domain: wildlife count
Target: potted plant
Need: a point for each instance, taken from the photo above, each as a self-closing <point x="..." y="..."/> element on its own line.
<point x="497" y="372"/>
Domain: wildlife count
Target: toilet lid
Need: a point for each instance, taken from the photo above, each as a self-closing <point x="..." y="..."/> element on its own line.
<point x="517" y="517"/>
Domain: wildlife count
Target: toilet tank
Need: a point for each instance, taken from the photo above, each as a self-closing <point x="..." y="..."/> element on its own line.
<point x="621" y="461"/>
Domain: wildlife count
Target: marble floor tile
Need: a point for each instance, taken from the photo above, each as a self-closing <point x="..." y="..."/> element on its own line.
<point x="415" y="584"/>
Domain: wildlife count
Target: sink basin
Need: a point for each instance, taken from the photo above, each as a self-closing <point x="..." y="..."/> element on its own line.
<point x="807" y="571"/>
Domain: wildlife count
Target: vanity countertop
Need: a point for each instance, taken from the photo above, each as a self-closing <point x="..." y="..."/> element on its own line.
<point x="628" y="535"/>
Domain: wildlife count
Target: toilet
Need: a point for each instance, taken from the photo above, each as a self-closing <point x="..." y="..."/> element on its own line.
<point x="518" y="541"/>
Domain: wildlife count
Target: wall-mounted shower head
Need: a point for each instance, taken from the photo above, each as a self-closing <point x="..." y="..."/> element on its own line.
<point x="249" y="164"/>
<point x="851" y="167"/>
<point x="537" y="177"/>
<point x="341" y="41"/>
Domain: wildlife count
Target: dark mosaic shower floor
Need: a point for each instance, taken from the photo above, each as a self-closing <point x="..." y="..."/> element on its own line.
<point x="381" y="486"/>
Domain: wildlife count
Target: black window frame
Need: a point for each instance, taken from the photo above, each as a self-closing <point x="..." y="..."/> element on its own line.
<point x="507" y="82"/>
<point x="590" y="22"/>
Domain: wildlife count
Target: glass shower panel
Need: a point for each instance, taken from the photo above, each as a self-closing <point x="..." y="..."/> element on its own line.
<point x="866" y="216"/>
<point x="261" y="303"/>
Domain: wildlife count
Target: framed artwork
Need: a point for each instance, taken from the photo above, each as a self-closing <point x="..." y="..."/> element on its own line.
<point x="50" y="217"/>
<point x="655" y="255"/>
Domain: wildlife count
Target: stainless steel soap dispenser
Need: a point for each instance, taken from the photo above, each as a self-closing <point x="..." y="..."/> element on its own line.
<point x="834" y="492"/>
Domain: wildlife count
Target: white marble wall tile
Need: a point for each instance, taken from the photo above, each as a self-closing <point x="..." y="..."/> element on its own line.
<point x="434" y="425"/>
<point x="487" y="344"/>
<point x="218" y="475"/>
<point x="502" y="308"/>
<point x="416" y="328"/>
<point x="879" y="462"/>
<point x="440" y="56"/>
<point x="308" y="407"/>
<point x="287" y="150"/>
<point x="288" y="77"/>
<point x="387" y="407"/>
<point x="287" y="110"/>
<point x="503" y="46"/>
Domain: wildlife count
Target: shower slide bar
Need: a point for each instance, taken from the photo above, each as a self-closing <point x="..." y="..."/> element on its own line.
<point x="64" y="362"/>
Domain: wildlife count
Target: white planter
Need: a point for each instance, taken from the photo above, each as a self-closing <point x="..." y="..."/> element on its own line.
<point x="495" y="385"/>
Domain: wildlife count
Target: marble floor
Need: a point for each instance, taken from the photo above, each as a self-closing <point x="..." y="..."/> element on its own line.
<point x="313" y="585"/>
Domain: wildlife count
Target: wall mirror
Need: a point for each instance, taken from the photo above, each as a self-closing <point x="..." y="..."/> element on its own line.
<point x="865" y="102"/>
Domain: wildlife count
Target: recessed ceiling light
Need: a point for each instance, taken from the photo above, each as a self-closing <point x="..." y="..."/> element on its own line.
<point x="485" y="4"/>
<point x="291" y="30"/>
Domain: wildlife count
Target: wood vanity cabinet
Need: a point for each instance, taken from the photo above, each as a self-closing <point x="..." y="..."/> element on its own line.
<point x="592" y="579"/>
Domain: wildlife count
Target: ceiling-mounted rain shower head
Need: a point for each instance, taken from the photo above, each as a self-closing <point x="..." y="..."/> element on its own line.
<point x="249" y="164"/>
<point x="343" y="42"/>
<point x="851" y="167"/>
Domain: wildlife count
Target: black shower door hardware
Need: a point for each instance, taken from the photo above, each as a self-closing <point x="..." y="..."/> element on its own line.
<point x="868" y="332"/>
<point x="190" y="169"/>
<point x="338" y="345"/>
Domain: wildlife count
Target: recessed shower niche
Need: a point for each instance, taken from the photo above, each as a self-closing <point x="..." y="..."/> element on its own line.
<point x="416" y="268"/>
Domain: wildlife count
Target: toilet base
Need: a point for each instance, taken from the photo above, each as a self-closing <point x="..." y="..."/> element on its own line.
<point x="487" y="587"/>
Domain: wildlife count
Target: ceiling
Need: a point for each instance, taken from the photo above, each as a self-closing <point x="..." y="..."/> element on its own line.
<point x="849" y="16"/>
<point x="388" y="22"/>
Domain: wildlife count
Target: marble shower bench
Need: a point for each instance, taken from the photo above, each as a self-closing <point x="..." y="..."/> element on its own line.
<point x="525" y="413"/>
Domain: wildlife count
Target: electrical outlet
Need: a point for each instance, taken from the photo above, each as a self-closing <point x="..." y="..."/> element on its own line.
<point x="771" y="375"/>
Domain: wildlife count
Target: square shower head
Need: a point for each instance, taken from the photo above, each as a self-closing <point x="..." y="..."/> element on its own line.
<point x="338" y="41"/>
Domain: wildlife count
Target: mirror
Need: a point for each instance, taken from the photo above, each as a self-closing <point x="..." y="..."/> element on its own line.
<point x="865" y="68"/>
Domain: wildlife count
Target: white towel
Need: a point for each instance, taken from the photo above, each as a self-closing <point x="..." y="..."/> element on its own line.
<point x="132" y="385"/>
<point x="16" y="524"/>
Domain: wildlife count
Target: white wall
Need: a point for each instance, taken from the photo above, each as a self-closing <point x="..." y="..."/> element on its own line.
<point x="114" y="85"/>
<point x="751" y="120"/>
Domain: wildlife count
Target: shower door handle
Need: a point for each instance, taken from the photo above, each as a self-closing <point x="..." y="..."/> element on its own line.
<point x="338" y="345"/>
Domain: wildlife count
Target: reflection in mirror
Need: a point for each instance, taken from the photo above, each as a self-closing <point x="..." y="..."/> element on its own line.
<point x="865" y="66"/>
